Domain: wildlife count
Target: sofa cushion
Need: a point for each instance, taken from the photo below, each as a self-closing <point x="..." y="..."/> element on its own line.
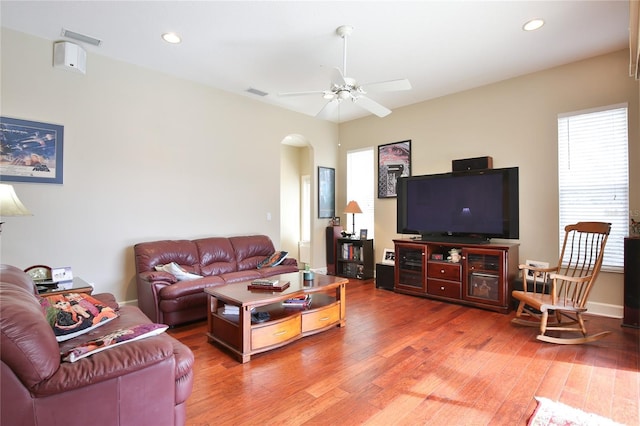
<point x="246" y="275"/>
<point x="180" y="273"/>
<point x="184" y="288"/>
<point x="183" y="252"/>
<point x="28" y="344"/>
<point x="216" y="255"/>
<point x="251" y="250"/>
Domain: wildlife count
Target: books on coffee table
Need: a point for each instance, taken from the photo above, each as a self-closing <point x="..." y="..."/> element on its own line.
<point x="267" y="284"/>
<point x="298" y="302"/>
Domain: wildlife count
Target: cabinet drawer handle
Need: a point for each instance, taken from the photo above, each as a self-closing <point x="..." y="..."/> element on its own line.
<point x="280" y="333"/>
<point x="442" y="271"/>
<point x="442" y="288"/>
<point x="324" y="319"/>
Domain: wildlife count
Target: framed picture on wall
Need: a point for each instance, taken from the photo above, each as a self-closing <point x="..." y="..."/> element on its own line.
<point x="31" y="151"/>
<point x="394" y="161"/>
<point x="326" y="192"/>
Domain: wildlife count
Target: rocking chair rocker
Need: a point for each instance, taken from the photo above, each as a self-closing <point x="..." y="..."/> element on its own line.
<point x="563" y="290"/>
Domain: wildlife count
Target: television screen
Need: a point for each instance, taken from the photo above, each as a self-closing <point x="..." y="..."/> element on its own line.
<point x="481" y="204"/>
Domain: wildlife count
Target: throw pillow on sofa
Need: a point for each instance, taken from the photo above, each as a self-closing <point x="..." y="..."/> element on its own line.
<point x="273" y="260"/>
<point x="73" y="314"/>
<point x="177" y="271"/>
<point x="113" y="339"/>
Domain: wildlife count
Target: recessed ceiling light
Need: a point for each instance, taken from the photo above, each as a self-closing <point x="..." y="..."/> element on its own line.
<point x="172" y="38"/>
<point x="533" y="24"/>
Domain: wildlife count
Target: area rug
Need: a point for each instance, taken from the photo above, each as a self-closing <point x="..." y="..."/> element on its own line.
<point x="551" y="413"/>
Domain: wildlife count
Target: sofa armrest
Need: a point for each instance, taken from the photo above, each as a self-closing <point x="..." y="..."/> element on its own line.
<point x="154" y="276"/>
<point x="106" y="365"/>
<point x="289" y="261"/>
<point x="184" y="369"/>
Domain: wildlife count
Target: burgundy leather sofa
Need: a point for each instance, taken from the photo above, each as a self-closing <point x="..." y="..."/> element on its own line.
<point x="219" y="260"/>
<point x="143" y="382"/>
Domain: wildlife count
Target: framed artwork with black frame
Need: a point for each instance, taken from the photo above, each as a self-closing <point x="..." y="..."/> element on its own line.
<point x="394" y="161"/>
<point x="31" y="151"/>
<point x="326" y="192"/>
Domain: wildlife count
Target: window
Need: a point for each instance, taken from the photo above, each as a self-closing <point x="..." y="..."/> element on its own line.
<point x="593" y="174"/>
<point x="360" y="187"/>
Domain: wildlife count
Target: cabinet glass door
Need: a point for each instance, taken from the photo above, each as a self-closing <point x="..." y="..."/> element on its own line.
<point x="411" y="271"/>
<point x="484" y="269"/>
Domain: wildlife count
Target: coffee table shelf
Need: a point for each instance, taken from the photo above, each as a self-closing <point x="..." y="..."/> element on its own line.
<point x="243" y="338"/>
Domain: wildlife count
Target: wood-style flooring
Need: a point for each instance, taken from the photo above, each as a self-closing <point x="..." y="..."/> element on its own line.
<point x="404" y="360"/>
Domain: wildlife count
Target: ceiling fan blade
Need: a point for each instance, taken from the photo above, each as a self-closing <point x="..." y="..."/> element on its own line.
<point x="372" y="106"/>
<point x="337" y="79"/>
<point x="328" y="110"/>
<point x="389" y="86"/>
<point x="311" y="92"/>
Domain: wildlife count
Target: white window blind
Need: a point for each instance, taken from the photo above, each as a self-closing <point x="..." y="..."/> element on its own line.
<point x="360" y="187"/>
<point x="593" y="174"/>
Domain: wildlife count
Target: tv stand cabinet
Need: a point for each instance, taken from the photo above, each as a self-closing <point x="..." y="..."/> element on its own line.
<point x="483" y="278"/>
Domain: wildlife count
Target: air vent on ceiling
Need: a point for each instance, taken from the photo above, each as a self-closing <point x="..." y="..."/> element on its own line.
<point x="256" y="92"/>
<point x="81" y="37"/>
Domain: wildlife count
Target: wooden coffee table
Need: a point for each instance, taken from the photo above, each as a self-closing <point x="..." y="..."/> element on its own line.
<point x="244" y="337"/>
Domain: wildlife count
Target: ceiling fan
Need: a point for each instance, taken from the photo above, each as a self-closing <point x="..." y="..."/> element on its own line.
<point x="343" y="88"/>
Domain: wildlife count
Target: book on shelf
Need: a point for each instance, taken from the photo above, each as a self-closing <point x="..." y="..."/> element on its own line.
<point x="351" y="251"/>
<point x="232" y="309"/>
<point x="298" y="302"/>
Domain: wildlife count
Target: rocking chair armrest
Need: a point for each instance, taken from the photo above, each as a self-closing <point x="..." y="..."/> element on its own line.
<point x="580" y="279"/>
<point x="537" y="268"/>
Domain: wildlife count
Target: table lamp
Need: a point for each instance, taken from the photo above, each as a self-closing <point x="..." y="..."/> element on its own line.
<point x="353" y="208"/>
<point x="10" y="204"/>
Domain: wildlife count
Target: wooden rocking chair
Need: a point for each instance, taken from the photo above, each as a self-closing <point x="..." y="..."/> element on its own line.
<point x="563" y="290"/>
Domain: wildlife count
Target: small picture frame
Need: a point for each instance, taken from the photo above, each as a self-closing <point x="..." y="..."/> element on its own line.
<point x="363" y="234"/>
<point x="336" y="221"/>
<point x="537" y="264"/>
<point x="389" y="257"/>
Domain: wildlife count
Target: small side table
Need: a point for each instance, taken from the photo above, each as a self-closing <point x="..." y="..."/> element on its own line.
<point x="78" y="285"/>
<point x="384" y="276"/>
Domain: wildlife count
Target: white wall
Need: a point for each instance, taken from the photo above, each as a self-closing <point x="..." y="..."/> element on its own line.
<point x="515" y="122"/>
<point x="146" y="156"/>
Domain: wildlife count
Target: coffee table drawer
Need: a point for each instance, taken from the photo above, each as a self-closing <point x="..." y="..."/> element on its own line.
<point x="320" y="318"/>
<point x="272" y="334"/>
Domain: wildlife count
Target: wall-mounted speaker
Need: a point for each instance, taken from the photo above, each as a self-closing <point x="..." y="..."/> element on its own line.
<point x="469" y="164"/>
<point x="69" y="56"/>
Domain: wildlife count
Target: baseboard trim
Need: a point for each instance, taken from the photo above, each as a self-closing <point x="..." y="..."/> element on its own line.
<point x="133" y="302"/>
<point x="605" y="310"/>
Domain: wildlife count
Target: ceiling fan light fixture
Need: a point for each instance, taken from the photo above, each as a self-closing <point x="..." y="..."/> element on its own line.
<point x="172" y="38"/>
<point x="533" y="24"/>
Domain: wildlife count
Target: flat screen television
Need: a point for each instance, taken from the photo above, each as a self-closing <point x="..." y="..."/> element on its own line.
<point x="460" y="206"/>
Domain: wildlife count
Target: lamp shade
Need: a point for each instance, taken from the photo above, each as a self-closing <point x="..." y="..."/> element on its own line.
<point x="352" y="207"/>
<point x="10" y="204"/>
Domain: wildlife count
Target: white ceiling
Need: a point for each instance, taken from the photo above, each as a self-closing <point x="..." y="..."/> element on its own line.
<point x="442" y="47"/>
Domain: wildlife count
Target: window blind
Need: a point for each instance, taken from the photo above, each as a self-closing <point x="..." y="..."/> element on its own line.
<point x="593" y="174"/>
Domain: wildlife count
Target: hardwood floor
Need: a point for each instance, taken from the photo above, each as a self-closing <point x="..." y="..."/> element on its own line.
<point x="406" y="360"/>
